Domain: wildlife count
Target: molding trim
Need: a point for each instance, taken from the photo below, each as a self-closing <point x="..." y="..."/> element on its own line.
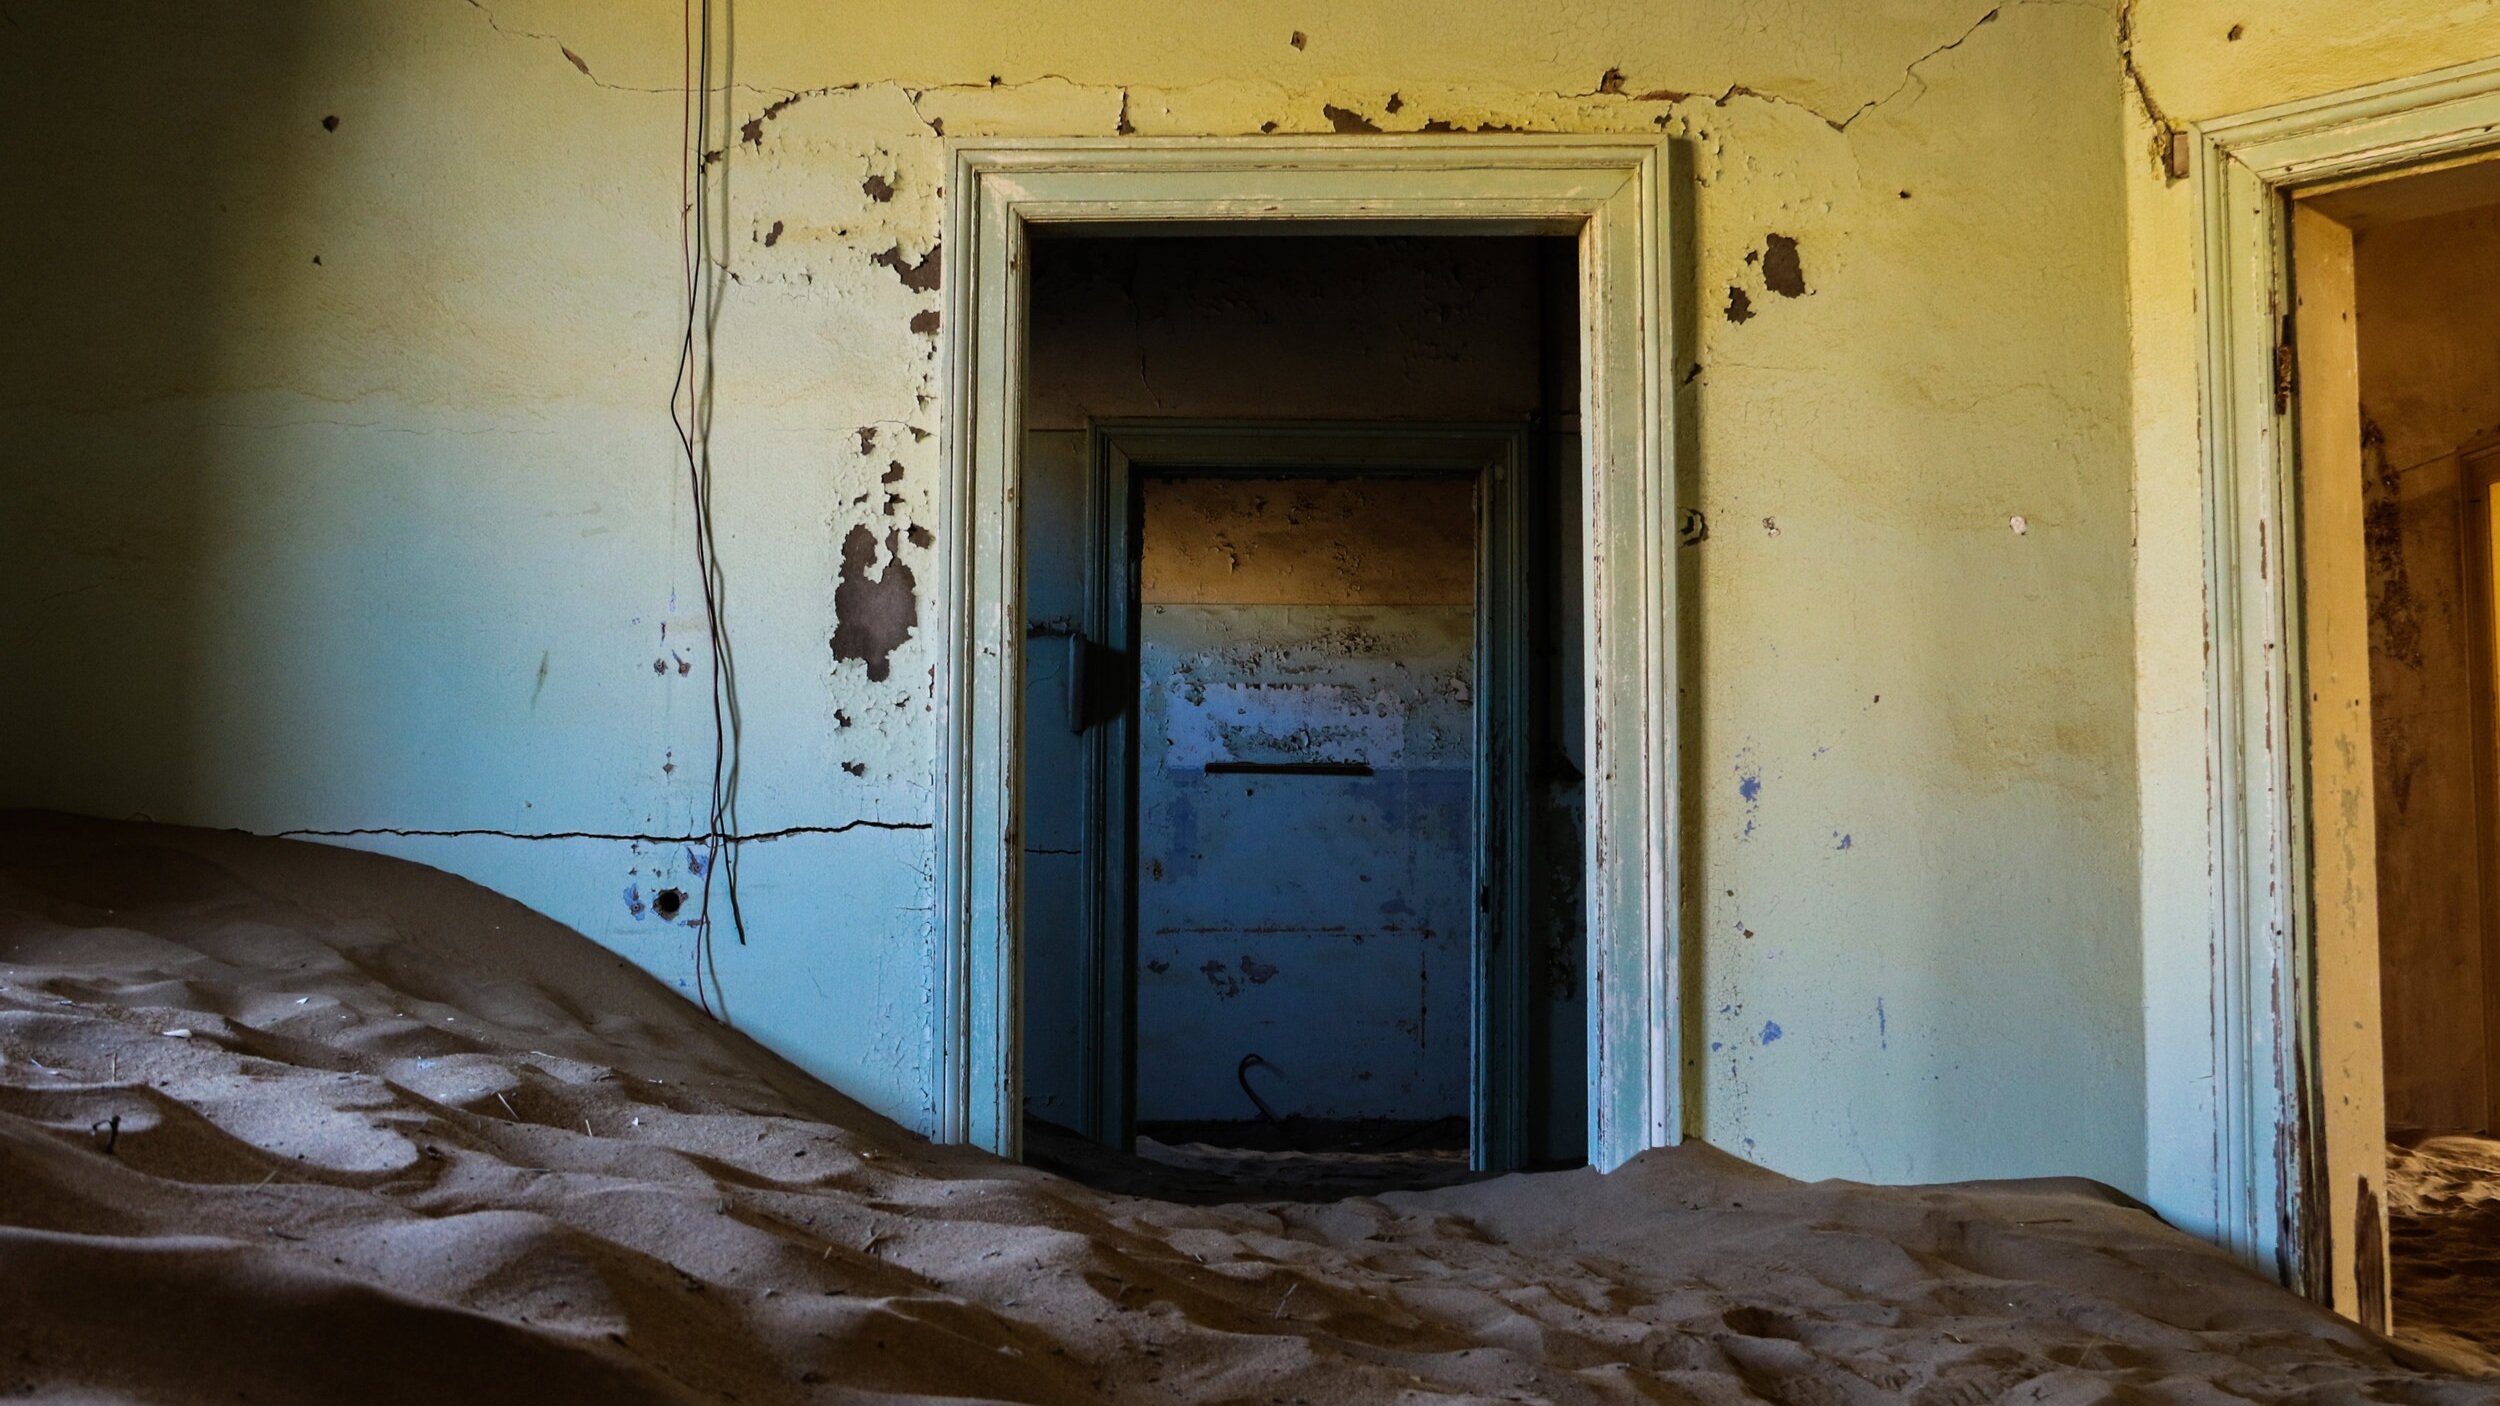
<point x="2269" y="1148"/>
<point x="1610" y="192"/>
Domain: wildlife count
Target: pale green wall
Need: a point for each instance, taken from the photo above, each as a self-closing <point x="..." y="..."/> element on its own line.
<point x="308" y="534"/>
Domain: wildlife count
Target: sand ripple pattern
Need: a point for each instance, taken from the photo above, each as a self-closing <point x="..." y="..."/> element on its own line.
<point x="385" y="1136"/>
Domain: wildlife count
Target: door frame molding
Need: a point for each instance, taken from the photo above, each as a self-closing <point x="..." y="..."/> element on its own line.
<point x="1494" y="460"/>
<point x="1613" y="193"/>
<point x="2270" y="1156"/>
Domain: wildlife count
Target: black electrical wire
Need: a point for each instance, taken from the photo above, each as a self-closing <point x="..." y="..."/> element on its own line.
<point x="694" y="377"/>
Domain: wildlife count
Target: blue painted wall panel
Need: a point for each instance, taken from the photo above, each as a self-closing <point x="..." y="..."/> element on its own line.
<point x="1321" y="922"/>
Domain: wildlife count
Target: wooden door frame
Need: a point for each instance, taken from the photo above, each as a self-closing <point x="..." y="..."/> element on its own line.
<point x="1612" y="193"/>
<point x="2270" y="1152"/>
<point x="1496" y="460"/>
<point x="2478" y="481"/>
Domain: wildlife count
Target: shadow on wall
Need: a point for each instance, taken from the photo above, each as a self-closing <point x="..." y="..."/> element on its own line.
<point x="125" y="224"/>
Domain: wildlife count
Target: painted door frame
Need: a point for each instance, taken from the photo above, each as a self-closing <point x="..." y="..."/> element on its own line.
<point x="2478" y="475"/>
<point x="1495" y="459"/>
<point x="1612" y="193"/>
<point x="2271" y="1150"/>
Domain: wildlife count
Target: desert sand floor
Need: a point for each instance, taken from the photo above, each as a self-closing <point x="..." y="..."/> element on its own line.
<point x="2443" y="1216"/>
<point x="384" y="1136"/>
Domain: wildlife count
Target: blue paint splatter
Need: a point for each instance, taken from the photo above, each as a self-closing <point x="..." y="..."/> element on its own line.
<point x="1771" y="1032"/>
<point x="1749" y="787"/>
<point x="1845" y="842"/>
<point x="694" y="861"/>
<point x="1715" y="1047"/>
<point x="1883" y="1034"/>
<point x="633" y="901"/>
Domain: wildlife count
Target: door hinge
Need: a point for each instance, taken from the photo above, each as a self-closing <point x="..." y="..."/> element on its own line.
<point x="1099" y="682"/>
<point x="2286" y="366"/>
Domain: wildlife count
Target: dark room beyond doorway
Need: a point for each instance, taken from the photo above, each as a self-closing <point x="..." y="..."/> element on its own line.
<point x="1296" y="922"/>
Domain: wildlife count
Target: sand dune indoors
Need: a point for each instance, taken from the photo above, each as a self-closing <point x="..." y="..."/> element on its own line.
<point x="286" y="1123"/>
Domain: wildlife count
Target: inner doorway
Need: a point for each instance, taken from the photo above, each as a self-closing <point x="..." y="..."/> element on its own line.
<point x="1307" y="825"/>
<point x="1302" y="777"/>
<point x="2396" y="349"/>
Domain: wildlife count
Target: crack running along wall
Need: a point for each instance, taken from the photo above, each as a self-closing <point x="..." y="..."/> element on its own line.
<point x="356" y="505"/>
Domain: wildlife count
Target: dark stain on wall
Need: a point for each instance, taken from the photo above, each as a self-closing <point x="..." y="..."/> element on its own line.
<point x="877" y="188"/>
<point x="925" y="323"/>
<point x="1218" y="976"/>
<point x="1344" y="119"/>
<point x="873" y="616"/>
<point x="2395" y="613"/>
<point x="1739" y="304"/>
<point x="752" y="130"/>
<point x="773" y="236"/>
<point x="2369" y="1250"/>
<point x="1782" y="272"/>
<point x="921" y="277"/>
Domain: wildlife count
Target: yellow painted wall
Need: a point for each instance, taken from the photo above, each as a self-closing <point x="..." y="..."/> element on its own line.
<point x="389" y="541"/>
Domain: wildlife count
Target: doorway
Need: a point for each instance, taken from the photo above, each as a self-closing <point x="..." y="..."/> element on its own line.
<point x="2393" y="367"/>
<point x="2299" y="1107"/>
<point x="2397" y="375"/>
<point x="1613" y="200"/>
<point x="1294" y="688"/>
<point x="1308" y="842"/>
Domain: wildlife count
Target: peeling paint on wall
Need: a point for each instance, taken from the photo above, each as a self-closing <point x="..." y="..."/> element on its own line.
<point x="920" y="276"/>
<point x="877" y="614"/>
<point x="1782" y="271"/>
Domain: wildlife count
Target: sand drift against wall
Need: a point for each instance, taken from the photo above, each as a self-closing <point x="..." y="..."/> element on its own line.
<point x="2443" y="1213"/>
<point x="384" y="1136"/>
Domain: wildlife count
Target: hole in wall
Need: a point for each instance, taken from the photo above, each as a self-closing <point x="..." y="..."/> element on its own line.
<point x="668" y="902"/>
